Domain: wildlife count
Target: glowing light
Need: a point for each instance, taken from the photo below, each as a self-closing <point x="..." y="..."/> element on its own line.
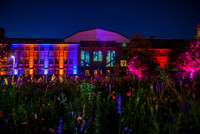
<point x="61" y="71"/>
<point x="74" y="71"/>
<point x="16" y="72"/>
<point x="30" y="71"/>
<point x="45" y="71"/>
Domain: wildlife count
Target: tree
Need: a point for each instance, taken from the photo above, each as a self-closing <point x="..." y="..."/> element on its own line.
<point x="139" y="46"/>
<point x="190" y="60"/>
<point x="5" y="50"/>
<point x="136" y="65"/>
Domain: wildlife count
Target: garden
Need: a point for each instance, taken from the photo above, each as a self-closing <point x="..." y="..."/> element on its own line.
<point x="102" y="104"/>
<point x="160" y="102"/>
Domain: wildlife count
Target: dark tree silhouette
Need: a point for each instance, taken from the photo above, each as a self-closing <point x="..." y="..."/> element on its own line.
<point x="5" y="50"/>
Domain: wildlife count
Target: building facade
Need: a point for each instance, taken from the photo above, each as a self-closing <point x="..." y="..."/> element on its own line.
<point x="92" y="51"/>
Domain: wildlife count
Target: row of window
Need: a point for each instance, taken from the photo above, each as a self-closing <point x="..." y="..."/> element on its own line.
<point x="43" y="72"/>
<point x="42" y="48"/>
<point x="97" y="56"/>
<point x="97" y="43"/>
<point x="51" y="61"/>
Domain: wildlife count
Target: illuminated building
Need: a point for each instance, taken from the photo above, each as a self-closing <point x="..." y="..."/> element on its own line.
<point x="45" y="59"/>
<point x="98" y="49"/>
<point x="92" y="51"/>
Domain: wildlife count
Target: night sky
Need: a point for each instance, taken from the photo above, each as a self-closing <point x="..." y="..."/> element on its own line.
<point x="176" y="19"/>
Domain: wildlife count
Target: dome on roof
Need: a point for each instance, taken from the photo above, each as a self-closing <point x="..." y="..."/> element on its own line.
<point x="97" y="34"/>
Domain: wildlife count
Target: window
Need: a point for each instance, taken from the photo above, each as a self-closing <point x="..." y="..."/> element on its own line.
<point x="123" y="63"/>
<point x="35" y="72"/>
<point x="87" y="43"/>
<point x="66" y="61"/>
<point x="95" y="72"/>
<point x="51" y="72"/>
<point x="95" y="44"/>
<point x="41" y="48"/>
<point x="123" y="44"/>
<point x="56" y="61"/>
<point x="41" y="61"/>
<point x="35" y="61"/>
<point x="10" y="61"/>
<point x="50" y="61"/>
<point x="97" y="55"/>
<point x="84" y="57"/>
<point x="110" y="57"/>
<point x="21" y="61"/>
<point x="82" y="43"/>
<point x="56" y="72"/>
<point x="35" y="48"/>
<point x="50" y="48"/>
<point x="70" y="71"/>
<point x="26" y="72"/>
<point x="56" y="54"/>
<point x="27" y="48"/>
<point x="57" y="48"/>
<point x="100" y="44"/>
<point x="41" y="72"/>
<point x="21" y="48"/>
<point x="87" y="72"/>
<point x="26" y="61"/>
<point x="21" y="72"/>
<point x="70" y="61"/>
<point x="65" y="48"/>
<point x="70" y="48"/>
<point x="26" y="54"/>
<point x="110" y="44"/>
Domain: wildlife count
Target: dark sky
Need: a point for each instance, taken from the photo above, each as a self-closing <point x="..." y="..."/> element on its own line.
<point x="176" y="19"/>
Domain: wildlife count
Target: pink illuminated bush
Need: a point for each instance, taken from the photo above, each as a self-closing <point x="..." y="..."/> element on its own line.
<point x="190" y="60"/>
<point x="136" y="66"/>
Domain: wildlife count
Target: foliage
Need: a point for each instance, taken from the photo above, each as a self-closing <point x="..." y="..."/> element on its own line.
<point x="190" y="60"/>
<point x="149" y="105"/>
<point x="5" y="49"/>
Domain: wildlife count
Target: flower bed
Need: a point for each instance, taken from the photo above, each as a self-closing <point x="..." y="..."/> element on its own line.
<point x="101" y="105"/>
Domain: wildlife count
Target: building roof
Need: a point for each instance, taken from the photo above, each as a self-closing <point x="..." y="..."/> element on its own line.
<point x="97" y="34"/>
<point x="36" y="40"/>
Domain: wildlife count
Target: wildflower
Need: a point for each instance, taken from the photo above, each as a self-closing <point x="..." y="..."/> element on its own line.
<point x="60" y="127"/>
<point x="79" y="119"/>
<point x="94" y="93"/>
<point x="35" y="116"/>
<point x="175" y="93"/>
<point x="186" y="85"/>
<point x="113" y="97"/>
<point x="184" y="106"/>
<point x="111" y="94"/>
<point x="119" y="105"/>
<point x="23" y="123"/>
<point x="128" y="93"/>
<point x="157" y="107"/>
<point x="1" y="114"/>
<point x="90" y="119"/>
<point x="82" y="126"/>
<point x="51" y="130"/>
<point x="162" y="86"/>
<point x="106" y="84"/>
